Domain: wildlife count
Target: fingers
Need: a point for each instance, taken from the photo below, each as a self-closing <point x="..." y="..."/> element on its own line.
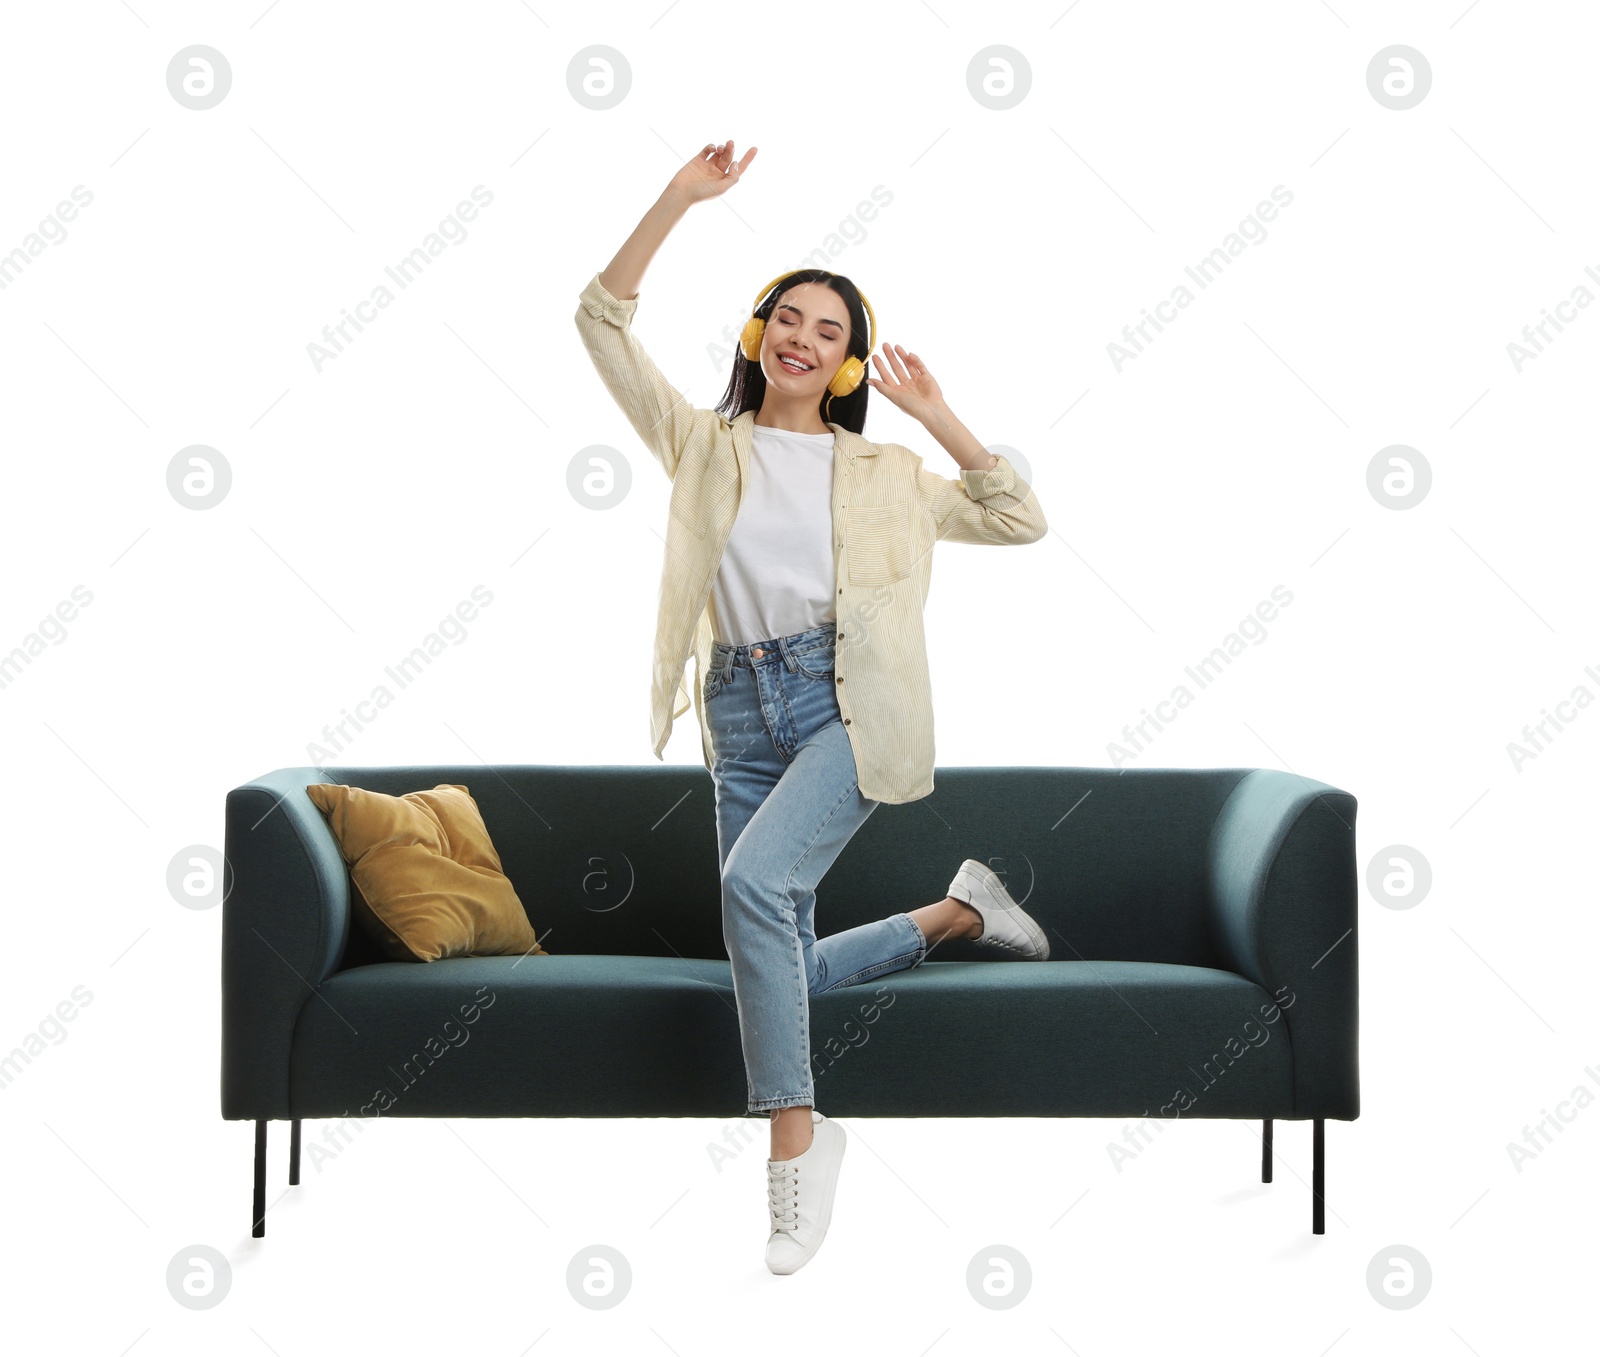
<point x="721" y="156"/>
<point x="912" y="361"/>
<point x="894" y="358"/>
<point x="731" y="170"/>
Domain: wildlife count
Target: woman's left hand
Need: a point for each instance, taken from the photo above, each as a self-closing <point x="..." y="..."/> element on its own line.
<point x="910" y="385"/>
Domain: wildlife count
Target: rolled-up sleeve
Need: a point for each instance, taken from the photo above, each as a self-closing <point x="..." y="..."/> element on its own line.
<point x="988" y="505"/>
<point x="660" y="414"/>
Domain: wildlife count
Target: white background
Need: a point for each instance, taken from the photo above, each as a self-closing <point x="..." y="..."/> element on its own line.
<point x="432" y="455"/>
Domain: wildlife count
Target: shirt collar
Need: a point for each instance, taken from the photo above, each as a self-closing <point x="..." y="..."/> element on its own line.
<point x="850" y="443"/>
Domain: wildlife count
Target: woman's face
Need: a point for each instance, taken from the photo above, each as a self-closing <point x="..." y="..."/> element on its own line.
<point x="809" y="323"/>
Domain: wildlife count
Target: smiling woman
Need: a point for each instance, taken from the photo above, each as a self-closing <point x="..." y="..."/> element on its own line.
<point x="796" y="568"/>
<point x="803" y="354"/>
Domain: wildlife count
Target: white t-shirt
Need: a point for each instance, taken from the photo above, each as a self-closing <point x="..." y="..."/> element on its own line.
<point x="777" y="572"/>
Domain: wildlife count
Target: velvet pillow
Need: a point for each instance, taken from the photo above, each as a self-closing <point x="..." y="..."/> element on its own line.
<point x="428" y="883"/>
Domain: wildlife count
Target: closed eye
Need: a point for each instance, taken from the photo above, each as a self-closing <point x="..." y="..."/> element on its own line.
<point x="784" y="319"/>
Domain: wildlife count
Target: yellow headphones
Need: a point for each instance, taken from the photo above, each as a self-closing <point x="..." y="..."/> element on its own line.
<point x="850" y="372"/>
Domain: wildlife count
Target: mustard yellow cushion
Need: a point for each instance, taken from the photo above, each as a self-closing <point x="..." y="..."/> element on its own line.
<point x="428" y="881"/>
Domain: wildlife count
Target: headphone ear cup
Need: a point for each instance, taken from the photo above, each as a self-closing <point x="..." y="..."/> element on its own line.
<point x="750" y="338"/>
<point x="848" y="377"/>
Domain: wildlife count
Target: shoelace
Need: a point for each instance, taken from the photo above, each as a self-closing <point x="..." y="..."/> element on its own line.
<point x="783" y="1195"/>
<point x="987" y="938"/>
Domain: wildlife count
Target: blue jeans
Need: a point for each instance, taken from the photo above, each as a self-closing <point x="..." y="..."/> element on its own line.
<point x="787" y="803"/>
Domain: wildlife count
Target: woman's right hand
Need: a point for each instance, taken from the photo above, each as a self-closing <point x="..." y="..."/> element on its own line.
<point x="710" y="173"/>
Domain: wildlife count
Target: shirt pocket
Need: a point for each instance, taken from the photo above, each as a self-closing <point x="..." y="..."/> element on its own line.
<point x="878" y="542"/>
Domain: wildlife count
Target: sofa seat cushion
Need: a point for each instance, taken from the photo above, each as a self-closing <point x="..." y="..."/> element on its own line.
<point x="640" y="1036"/>
<point x="1052" y="1039"/>
<point x="540" y="1036"/>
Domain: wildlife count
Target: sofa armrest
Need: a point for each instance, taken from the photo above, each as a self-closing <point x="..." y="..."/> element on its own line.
<point x="1281" y="889"/>
<point x="285" y="922"/>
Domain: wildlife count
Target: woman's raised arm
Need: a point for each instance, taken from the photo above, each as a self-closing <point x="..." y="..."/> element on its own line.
<point x="707" y="175"/>
<point x="660" y="414"/>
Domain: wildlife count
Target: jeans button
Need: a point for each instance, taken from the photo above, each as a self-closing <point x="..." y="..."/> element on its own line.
<point x="757" y="653"/>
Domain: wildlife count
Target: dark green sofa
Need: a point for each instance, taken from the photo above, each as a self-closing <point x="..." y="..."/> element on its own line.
<point x="1202" y="926"/>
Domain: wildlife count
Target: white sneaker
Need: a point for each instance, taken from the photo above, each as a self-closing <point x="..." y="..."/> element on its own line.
<point x="800" y="1196"/>
<point x="1006" y="928"/>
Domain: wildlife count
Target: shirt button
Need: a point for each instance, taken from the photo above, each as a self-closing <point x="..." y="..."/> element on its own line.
<point x="847" y="720"/>
<point x="839" y="679"/>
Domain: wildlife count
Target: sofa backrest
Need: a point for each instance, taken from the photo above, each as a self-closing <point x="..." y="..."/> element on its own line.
<point x="623" y="859"/>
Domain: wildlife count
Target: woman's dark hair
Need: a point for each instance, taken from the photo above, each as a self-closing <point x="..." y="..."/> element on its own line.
<point x="747" y="384"/>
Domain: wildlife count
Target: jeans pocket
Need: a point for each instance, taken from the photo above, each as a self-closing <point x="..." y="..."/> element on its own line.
<point x="715" y="681"/>
<point x="817" y="662"/>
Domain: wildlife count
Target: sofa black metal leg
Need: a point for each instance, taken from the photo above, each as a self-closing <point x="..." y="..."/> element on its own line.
<point x="258" y="1214"/>
<point x="294" y="1152"/>
<point x="1266" y="1150"/>
<point x="1316" y="1176"/>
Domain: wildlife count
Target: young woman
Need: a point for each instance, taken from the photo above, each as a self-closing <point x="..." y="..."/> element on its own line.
<point x="798" y="557"/>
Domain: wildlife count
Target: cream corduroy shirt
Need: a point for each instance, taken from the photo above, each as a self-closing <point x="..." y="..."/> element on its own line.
<point x="888" y="511"/>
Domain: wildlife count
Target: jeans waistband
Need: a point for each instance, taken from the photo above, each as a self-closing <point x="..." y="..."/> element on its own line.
<point x="774" y="650"/>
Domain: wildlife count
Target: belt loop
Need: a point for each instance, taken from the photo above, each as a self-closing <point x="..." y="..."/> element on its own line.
<point x="789" y="661"/>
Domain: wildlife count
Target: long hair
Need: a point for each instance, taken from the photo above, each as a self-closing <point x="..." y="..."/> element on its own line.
<point x="747" y="384"/>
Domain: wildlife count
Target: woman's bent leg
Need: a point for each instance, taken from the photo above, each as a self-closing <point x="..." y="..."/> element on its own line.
<point x="787" y="803"/>
<point x="868" y="951"/>
<point x="768" y="902"/>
